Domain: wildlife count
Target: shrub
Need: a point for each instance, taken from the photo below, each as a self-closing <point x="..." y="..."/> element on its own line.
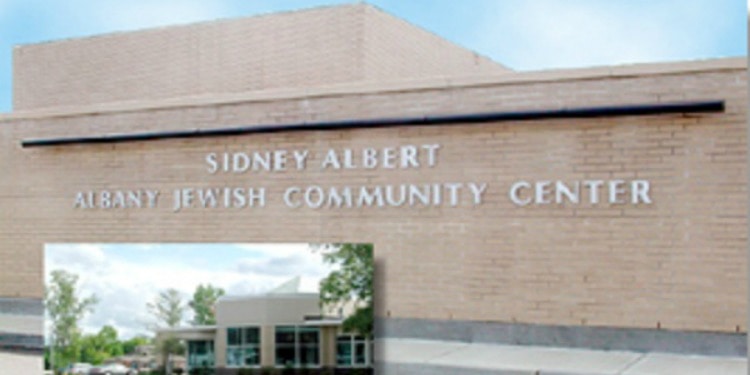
<point x="201" y="371"/>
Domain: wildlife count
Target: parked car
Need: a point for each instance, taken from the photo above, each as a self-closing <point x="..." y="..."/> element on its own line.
<point x="77" y="369"/>
<point x="112" y="369"/>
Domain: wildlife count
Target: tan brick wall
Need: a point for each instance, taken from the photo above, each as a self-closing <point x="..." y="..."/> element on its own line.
<point x="309" y="48"/>
<point x="395" y="48"/>
<point x="679" y="263"/>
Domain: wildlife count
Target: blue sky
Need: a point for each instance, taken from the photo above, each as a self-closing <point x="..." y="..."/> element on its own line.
<point x="522" y="34"/>
<point x="107" y="271"/>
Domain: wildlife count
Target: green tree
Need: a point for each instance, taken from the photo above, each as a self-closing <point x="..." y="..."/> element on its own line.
<point x="351" y="283"/>
<point x="168" y="310"/>
<point x="203" y="304"/>
<point x="101" y="346"/>
<point x="109" y="341"/>
<point x="65" y="309"/>
<point x="128" y="346"/>
<point x="91" y="351"/>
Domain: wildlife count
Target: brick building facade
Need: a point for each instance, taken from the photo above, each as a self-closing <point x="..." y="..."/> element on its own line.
<point x="669" y="274"/>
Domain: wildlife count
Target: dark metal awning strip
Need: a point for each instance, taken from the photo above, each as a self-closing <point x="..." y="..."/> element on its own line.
<point x="438" y="120"/>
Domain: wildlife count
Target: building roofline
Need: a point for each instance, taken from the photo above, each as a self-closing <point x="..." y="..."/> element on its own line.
<point x="434" y="34"/>
<point x="269" y="296"/>
<point x="189" y="329"/>
<point x="398" y="86"/>
<point x="324" y="323"/>
<point x="237" y="18"/>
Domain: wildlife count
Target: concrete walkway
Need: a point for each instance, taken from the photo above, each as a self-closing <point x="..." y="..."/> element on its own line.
<point x="416" y="357"/>
<point x="21" y="364"/>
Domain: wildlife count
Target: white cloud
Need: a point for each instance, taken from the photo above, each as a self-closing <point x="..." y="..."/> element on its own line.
<point x="79" y="257"/>
<point x="297" y="264"/>
<point x="552" y="33"/>
<point x="124" y="284"/>
<point x="131" y="15"/>
<point x="84" y="17"/>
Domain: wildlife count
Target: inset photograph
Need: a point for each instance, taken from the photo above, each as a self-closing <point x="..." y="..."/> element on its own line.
<point x="148" y="309"/>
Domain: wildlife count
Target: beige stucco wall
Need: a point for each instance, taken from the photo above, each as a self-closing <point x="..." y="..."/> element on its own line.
<point x="328" y="345"/>
<point x="220" y="347"/>
<point x="268" y="353"/>
<point x="267" y="312"/>
<point x="679" y="263"/>
<point x="277" y="309"/>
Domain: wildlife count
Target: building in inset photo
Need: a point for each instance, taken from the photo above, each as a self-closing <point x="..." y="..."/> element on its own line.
<point x="201" y="308"/>
<point x="284" y="327"/>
